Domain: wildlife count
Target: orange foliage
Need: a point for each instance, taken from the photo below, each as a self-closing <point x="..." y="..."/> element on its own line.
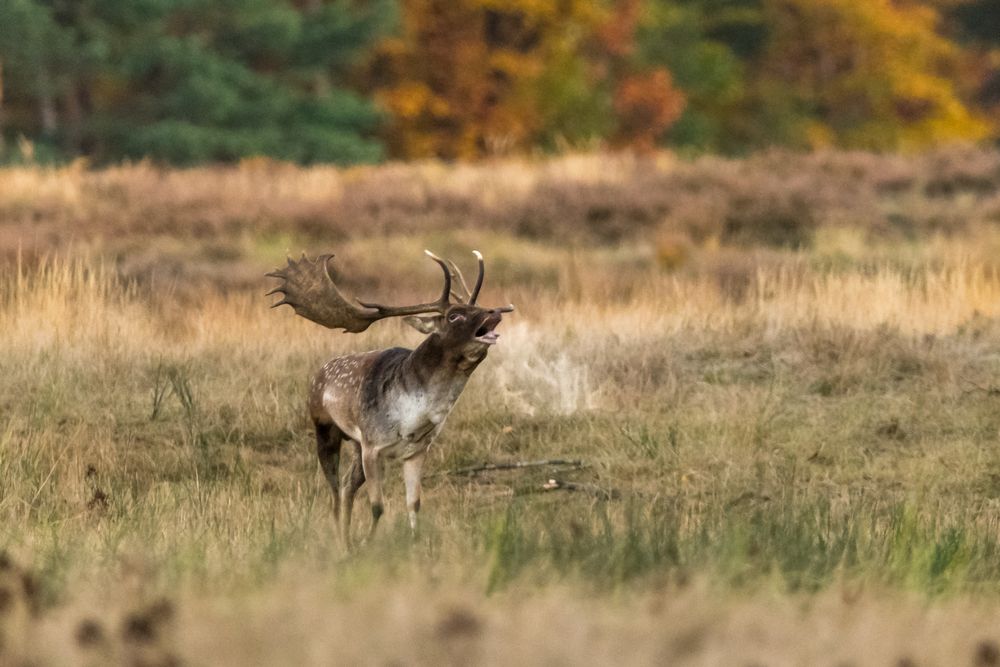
<point x="617" y="34"/>
<point x="458" y="82"/>
<point x="646" y="105"/>
<point x="468" y="78"/>
<point x="646" y="102"/>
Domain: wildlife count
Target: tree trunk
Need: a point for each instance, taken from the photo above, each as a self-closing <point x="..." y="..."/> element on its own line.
<point x="46" y="106"/>
<point x="74" y="121"/>
<point x="1" y="104"/>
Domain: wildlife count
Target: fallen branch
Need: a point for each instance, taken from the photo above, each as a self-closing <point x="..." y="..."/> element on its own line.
<point x="571" y="464"/>
<point x="990" y="390"/>
<point x="563" y="485"/>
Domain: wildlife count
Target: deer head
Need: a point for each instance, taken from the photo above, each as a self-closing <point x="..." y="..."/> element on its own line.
<point x="307" y="287"/>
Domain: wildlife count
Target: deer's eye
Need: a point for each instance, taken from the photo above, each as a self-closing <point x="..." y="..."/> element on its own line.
<point x="456" y="317"/>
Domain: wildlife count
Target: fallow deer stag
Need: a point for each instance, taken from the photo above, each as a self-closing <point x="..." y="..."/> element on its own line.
<point x="389" y="403"/>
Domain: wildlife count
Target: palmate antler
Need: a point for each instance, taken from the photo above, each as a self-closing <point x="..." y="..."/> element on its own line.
<point x="307" y="287"/>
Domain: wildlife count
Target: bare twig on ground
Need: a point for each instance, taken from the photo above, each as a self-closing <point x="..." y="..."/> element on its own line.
<point x="989" y="390"/>
<point x="570" y="464"/>
<point x="562" y="485"/>
<point x="552" y="484"/>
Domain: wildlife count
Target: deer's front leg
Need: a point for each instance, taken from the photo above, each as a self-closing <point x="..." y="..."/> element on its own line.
<point x="411" y="477"/>
<point x="372" y="467"/>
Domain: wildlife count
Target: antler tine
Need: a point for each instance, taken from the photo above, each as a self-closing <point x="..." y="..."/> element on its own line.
<point x="457" y="273"/>
<point x="446" y="293"/>
<point x="479" y="280"/>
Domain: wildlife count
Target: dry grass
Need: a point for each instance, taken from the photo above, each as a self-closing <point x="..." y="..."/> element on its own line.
<point x="292" y="622"/>
<point x="801" y="446"/>
<point x="215" y="225"/>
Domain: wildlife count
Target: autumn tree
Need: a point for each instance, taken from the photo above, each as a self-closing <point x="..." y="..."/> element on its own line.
<point x="874" y="74"/>
<point x="468" y="77"/>
<point x="977" y="27"/>
<point x="187" y="81"/>
<point x="712" y="49"/>
<point x="645" y="100"/>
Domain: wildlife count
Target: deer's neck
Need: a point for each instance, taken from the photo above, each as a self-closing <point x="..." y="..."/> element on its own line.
<point x="433" y="363"/>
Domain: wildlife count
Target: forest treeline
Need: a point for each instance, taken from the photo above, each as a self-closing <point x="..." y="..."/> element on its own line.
<point x="348" y="81"/>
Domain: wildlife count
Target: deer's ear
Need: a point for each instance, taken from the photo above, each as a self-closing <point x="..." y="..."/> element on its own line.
<point x="426" y="325"/>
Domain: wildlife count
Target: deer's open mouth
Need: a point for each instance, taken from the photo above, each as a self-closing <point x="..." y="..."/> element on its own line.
<point x="486" y="333"/>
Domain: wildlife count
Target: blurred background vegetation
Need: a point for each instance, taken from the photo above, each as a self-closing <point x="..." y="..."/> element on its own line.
<point x="343" y="81"/>
<point x="768" y="327"/>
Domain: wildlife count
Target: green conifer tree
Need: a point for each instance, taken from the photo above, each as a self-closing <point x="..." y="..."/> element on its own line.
<point x="189" y="81"/>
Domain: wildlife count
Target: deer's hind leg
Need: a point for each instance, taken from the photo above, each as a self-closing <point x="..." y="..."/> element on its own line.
<point x="372" y="465"/>
<point x="328" y="440"/>
<point x="355" y="478"/>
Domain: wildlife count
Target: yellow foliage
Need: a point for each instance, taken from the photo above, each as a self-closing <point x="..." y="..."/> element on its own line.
<point x="514" y="64"/>
<point x="409" y="99"/>
<point x="586" y="12"/>
<point x="819" y="135"/>
<point x="878" y="73"/>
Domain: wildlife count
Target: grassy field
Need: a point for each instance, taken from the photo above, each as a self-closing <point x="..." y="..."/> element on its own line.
<point x="786" y="408"/>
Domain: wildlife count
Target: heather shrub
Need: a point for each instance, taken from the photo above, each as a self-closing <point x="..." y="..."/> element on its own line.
<point x="143" y="215"/>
